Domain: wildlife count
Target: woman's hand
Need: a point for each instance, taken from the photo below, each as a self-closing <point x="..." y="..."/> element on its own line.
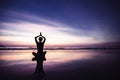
<point x="40" y="34"/>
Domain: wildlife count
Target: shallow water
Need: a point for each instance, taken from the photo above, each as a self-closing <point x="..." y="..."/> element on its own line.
<point x="54" y="57"/>
<point x="19" y="63"/>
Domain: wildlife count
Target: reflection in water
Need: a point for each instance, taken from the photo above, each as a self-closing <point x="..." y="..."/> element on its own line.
<point x="39" y="71"/>
<point x="59" y="62"/>
<point x="54" y="57"/>
<point x="19" y="58"/>
<point x="14" y="57"/>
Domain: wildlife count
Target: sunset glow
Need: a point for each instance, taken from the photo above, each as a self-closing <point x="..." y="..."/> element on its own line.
<point x="23" y="32"/>
<point x="60" y="24"/>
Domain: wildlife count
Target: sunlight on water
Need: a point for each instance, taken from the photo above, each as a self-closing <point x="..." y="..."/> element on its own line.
<point x="13" y="57"/>
<point x="68" y="55"/>
<point x="54" y="57"/>
<point x="18" y="63"/>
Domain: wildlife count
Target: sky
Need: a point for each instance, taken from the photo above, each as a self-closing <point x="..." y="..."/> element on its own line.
<point x="62" y="22"/>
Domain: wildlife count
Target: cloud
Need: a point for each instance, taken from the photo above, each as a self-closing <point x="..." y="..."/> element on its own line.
<point x="25" y="27"/>
<point x="29" y="30"/>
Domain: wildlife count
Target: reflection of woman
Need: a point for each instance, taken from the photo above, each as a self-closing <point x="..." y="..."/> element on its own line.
<point x="40" y="43"/>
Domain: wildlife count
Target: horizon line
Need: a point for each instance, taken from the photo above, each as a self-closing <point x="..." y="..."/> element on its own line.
<point x="60" y="48"/>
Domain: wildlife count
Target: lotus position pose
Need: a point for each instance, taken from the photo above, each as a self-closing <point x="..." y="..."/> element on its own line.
<point x="39" y="57"/>
<point x="40" y="43"/>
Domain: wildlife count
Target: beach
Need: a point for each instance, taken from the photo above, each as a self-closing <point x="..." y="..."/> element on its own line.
<point x="61" y="65"/>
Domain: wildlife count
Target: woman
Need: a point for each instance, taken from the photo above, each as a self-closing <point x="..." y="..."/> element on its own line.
<point x="40" y="43"/>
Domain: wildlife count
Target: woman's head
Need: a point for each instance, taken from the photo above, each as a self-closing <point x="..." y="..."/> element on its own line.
<point x="40" y="39"/>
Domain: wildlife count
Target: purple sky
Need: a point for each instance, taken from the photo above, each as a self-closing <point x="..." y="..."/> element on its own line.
<point x="62" y="22"/>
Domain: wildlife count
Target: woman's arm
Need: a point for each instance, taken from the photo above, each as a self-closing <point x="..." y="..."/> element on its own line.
<point x="36" y="39"/>
<point x="44" y="39"/>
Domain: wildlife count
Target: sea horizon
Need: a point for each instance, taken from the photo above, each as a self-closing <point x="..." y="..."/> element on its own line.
<point x="59" y="48"/>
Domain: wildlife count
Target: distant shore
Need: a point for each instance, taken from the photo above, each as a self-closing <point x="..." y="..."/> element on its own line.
<point x="28" y="48"/>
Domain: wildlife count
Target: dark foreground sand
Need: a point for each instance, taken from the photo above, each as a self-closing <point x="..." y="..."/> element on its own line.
<point x="99" y="69"/>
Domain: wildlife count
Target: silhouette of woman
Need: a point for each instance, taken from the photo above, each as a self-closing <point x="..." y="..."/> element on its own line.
<point x="40" y="43"/>
<point x="39" y="57"/>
